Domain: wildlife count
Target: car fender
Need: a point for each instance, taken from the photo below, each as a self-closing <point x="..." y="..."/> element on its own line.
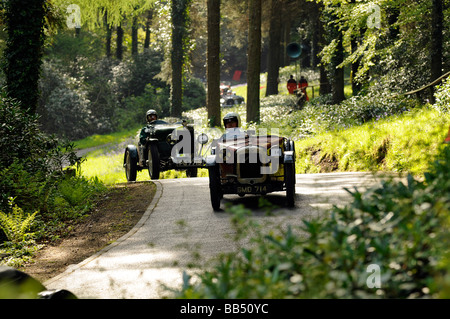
<point x="133" y="152"/>
<point x="289" y="157"/>
<point x="210" y="160"/>
<point x="153" y="140"/>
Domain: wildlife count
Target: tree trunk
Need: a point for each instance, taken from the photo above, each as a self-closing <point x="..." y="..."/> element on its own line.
<point x="356" y="86"/>
<point x="179" y="20"/>
<point x="436" y="39"/>
<point x="147" y="29"/>
<point x="286" y="33"/>
<point x="119" y="41"/>
<point x="213" y="63"/>
<point x="338" y="73"/>
<point x="325" y="87"/>
<point x="273" y="63"/>
<point x="108" y="36"/>
<point x="23" y="53"/>
<point x="253" y="61"/>
<point x="134" y="37"/>
<point x="315" y="37"/>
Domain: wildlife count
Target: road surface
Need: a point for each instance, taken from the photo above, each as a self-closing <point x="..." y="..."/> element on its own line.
<point x="180" y="232"/>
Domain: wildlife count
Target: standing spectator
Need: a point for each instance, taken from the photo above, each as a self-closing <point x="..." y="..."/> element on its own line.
<point x="302" y="85"/>
<point x="447" y="140"/>
<point x="291" y="85"/>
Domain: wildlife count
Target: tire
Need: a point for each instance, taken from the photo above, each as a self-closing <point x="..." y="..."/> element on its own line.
<point x="214" y="187"/>
<point x="191" y="172"/>
<point x="130" y="165"/>
<point x="153" y="162"/>
<point x="289" y="179"/>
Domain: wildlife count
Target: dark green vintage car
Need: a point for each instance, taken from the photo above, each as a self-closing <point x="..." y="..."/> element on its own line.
<point x="168" y="146"/>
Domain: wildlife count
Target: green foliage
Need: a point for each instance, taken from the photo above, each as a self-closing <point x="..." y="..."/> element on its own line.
<point x="443" y="97"/>
<point x="19" y="133"/>
<point x="401" y="144"/>
<point x="194" y="94"/>
<point x="32" y="171"/>
<point x="401" y="228"/>
<point x="25" y="27"/>
<point x="395" y="52"/>
<point x="87" y="96"/>
<point x="16" y="223"/>
<point x="72" y="197"/>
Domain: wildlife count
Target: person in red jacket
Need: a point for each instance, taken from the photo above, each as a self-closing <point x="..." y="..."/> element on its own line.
<point x="291" y="85"/>
<point x="302" y="85"/>
<point x="447" y="140"/>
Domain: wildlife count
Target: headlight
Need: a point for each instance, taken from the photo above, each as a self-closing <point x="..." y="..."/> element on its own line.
<point x="202" y="138"/>
<point x="275" y="151"/>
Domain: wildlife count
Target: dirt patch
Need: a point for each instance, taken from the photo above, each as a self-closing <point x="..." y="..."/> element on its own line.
<point x="114" y="215"/>
<point x="327" y="163"/>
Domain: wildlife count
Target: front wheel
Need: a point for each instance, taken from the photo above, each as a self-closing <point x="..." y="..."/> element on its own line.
<point x="153" y="162"/>
<point x="130" y="165"/>
<point x="289" y="178"/>
<point x="214" y="187"/>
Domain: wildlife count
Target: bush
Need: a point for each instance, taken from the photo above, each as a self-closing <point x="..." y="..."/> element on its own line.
<point x="16" y="224"/>
<point x="401" y="229"/>
<point x="442" y="96"/>
<point x="130" y="77"/>
<point x="358" y="110"/>
<point x="194" y="94"/>
<point x="64" y="108"/>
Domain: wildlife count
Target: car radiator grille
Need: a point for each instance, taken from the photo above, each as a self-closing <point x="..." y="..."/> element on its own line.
<point x="249" y="163"/>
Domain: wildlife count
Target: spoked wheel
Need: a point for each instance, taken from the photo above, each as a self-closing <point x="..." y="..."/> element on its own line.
<point x="289" y="178"/>
<point x="214" y="187"/>
<point x="130" y="165"/>
<point x="153" y="162"/>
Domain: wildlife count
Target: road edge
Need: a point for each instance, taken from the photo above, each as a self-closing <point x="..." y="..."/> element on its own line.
<point x="70" y="269"/>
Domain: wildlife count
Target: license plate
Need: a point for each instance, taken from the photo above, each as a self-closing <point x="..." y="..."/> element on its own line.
<point x="253" y="189"/>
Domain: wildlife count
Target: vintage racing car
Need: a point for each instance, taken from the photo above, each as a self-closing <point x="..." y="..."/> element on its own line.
<point x="168" y="146"/>
<point x="244" y="163"/>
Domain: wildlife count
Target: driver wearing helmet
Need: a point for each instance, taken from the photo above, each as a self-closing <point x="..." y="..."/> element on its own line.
<point x="232" y="120"/>
<point x="151" y="116"/>
<point x="232" y="123"/>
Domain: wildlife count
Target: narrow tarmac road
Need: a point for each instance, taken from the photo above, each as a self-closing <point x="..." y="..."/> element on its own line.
<point x="180" y="232"/>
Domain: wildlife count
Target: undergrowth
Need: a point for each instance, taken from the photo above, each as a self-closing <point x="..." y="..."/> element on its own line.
<point x="389" y="242"/>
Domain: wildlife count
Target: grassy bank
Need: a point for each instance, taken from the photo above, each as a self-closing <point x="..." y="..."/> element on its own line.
<point x="402" y="143"/>
<point x="399" y="143"/>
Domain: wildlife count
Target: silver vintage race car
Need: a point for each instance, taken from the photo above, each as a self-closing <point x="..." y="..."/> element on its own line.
<point x="242" y="163"/>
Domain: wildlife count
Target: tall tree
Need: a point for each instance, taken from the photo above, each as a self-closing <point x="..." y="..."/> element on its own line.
<point x="108" y="36"/>
<point x="180" y="18"/>
<point x="119" y="42"/>
<point x="23" y="54"/>
<point x="134" y="36"/>
<point x="436" y="39"/>
<point x="253" y="60"/>
<point x="273" y="63"/>
<point x="337" y="71"/>
<point x="213" y="63"/>
<point x="148" y="22"/>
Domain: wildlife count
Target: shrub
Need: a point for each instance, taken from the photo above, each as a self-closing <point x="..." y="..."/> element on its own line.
<point x="63" y="107"/>
<point x="16" y="223"/>
<point x="399" y="228"/>
<point x="130" y="77"/>
<point x="442" y="96"/>
<point x="194" y="94"/>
